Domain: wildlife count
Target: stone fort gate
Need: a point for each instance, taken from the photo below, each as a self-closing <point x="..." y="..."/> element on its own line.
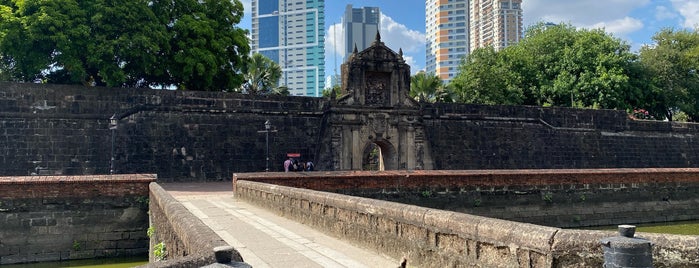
<point x="374" y="115"/>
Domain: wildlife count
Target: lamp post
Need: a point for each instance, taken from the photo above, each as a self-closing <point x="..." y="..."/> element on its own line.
<point x="268" y="129"/>
<point x="113" y="123"/>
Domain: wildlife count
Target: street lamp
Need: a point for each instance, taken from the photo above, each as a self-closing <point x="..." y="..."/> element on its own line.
<point x="113" y="123"/>
<point x="268" y="129"/>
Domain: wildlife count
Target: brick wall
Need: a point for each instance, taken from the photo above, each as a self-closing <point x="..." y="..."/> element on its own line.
<point x="50" y="218"/>
<point x="559" y="198"/>
<point x="437" y="238"/>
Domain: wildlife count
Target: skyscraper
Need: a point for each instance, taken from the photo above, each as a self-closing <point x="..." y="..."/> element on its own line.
<point x="447" y="36"/>
<point x="292" y="33"/>
<point x="360" y="26"/>
<point x="496" y="23"/>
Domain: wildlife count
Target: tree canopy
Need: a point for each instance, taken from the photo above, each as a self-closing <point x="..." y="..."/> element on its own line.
<point x="262" y="75"/>
<point x="427" y="87"/>
<point x="672" y="65"/>
<point x="188" y="44"/>
<point x="554" y="65"/>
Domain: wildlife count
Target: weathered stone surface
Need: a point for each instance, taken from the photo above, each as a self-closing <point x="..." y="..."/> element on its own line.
<point x="73" y="217"/>
<point x="436" y="238"/>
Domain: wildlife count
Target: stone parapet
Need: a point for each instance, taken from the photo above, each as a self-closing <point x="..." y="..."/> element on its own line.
<point x="188" y="241"/>
<point x="54" y="218"/>
<point x="437" y="238"/>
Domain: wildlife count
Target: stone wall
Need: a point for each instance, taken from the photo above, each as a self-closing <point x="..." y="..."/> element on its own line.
<point x="188" y="241"/>
<point x="524" y="137"/>
<point x="437" y="238"/>
<point x="180" y="135"/>
<point x="559" y="198"/>
<point x="73" y="217"/>
<point x="199" y="136"/>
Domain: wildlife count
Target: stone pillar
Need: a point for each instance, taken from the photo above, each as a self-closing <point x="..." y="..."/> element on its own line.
<point x="627" y="251"/>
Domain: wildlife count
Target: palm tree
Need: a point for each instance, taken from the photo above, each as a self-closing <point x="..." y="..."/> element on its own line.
<point x="261" y="74"/>
<point x="427" y="87"/>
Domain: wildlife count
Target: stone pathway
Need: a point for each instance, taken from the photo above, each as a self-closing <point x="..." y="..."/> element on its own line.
<point x="265" y="239"/>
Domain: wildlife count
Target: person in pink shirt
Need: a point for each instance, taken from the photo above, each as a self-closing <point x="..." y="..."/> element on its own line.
<point x="287" y="164"/>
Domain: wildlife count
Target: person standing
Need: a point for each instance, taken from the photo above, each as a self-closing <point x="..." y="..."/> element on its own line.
<point x="287" y="164"/>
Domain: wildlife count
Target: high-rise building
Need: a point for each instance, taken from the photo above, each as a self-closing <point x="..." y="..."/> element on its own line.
<point x="496" y="23"/>
<point x="292" y="33"/>
<point x="447" y="36"/>
<point x="360" y="26"/>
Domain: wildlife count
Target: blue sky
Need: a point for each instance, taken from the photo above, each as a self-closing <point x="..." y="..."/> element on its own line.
<point x="403" y="21"/>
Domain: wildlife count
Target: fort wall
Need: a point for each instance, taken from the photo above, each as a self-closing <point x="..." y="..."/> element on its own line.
<point x="73" y="217"/>
<point x="208" y="136"/>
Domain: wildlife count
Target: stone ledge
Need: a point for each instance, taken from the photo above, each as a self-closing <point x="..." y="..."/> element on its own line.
<point x="78" y="179"/>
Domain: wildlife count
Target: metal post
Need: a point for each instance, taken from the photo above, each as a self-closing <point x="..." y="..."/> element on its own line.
<point x="113" y="122"/>
<point x="268" y="127"/>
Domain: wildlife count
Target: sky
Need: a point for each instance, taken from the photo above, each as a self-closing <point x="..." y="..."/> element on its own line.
<point x="403" y="22"/>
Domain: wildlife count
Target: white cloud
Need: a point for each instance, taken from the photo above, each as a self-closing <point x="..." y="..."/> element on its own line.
<point x="579" y="12"/>
<point x="663" y="13"/>
<point x="619" y="27"/>
<point x="689" y="9"/>
<point x="397" y="35"/>
<point x="393" y="34"/>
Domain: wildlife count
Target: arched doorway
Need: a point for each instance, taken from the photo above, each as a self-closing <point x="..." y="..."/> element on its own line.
<point x="378" y="155"/>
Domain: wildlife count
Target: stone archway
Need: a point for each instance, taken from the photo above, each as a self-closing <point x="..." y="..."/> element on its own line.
<point x="379" y="155"/>
<point x="374" y="109"/>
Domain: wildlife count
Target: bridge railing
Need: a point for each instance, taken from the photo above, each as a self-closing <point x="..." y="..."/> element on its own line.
<point x="437" y="238"/>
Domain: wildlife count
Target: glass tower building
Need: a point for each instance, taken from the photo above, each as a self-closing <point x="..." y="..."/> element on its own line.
<point x="360" y="26"/>
<point x="292" y="33"/>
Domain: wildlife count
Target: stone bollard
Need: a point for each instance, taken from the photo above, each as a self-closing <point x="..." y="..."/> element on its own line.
<point x="627" y="251"/>
<point x="224" y="255"/>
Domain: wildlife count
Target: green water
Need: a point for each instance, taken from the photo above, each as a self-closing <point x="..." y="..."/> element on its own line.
<point x="680" y="228"/>
<point x="91" y="263"/>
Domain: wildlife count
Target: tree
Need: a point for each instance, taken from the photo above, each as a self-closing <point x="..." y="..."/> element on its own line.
<point x="427" y="87"/>
<point x="261" y="74"/>
<point x="555" y="65"/>
<point x="483" y="79"/>
<point x="336" y="89"/>
<point x="135" y="43"/>
<point x="673" y="63"/>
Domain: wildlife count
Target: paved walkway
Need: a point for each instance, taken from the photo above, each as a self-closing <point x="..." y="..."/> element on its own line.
<point x="265" y="239"/>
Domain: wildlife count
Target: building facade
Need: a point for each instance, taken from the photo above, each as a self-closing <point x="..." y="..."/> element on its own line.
<point x="292" y="33"/>
<point x="359" y="26"/>
<point x="496" y="23"/>
<point x="447" y="36"/>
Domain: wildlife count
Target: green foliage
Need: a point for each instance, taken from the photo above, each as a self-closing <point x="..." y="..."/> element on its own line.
<point x="186" y="43"/>
<point x="547" y="197"/>
<point x="336" y="89"/>
<point x="483" y="79"/>
<point x="672" y="63"/>
<point x="426" y="193"/>
<point x="261" y="75"/>
<point x="477" y="202"/>
<point x="427" y="87"/>
<point x="76" y="245"/>
<point x="552" y="66"/>
<point x="159" y="251"/>
<point x="151" y="231"/>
